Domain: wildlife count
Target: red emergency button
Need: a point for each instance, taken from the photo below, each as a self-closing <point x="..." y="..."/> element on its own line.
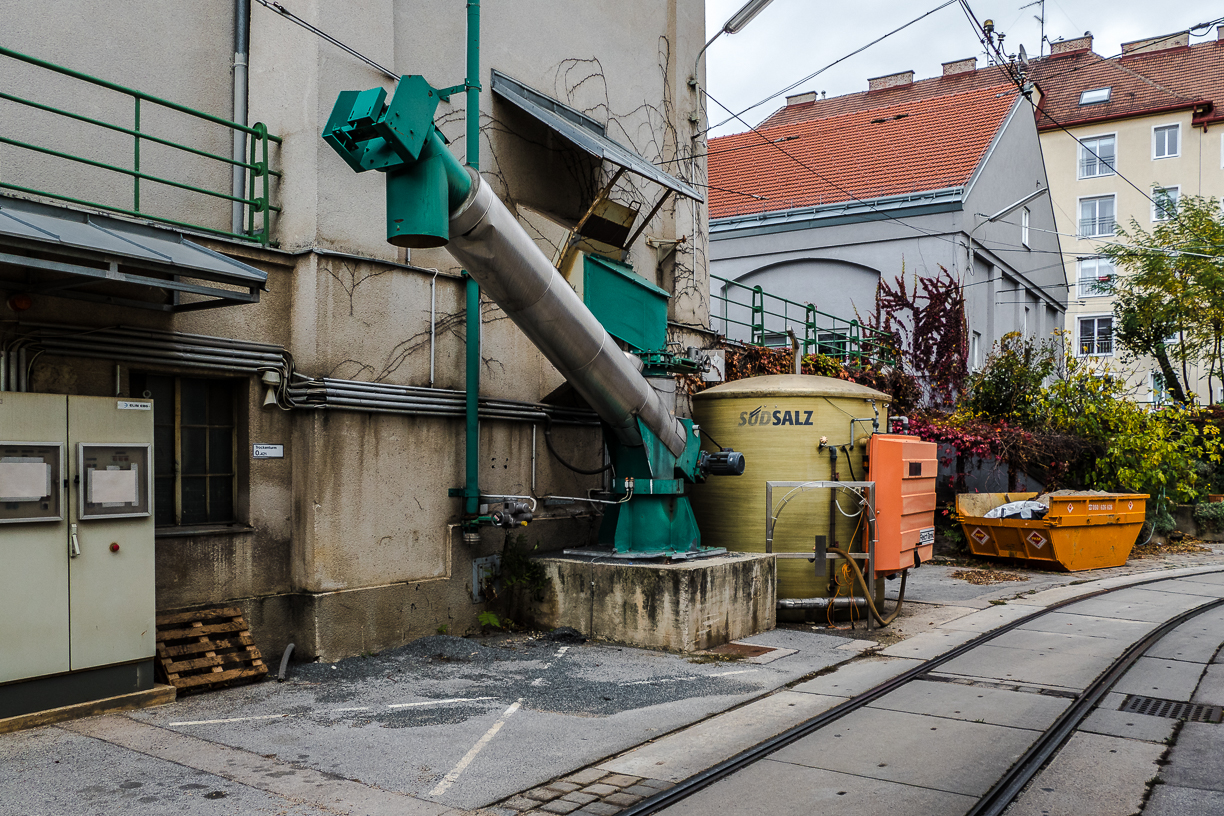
<point x="115" y="546"/>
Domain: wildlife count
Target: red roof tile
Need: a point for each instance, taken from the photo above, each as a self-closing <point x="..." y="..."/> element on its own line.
<point x="987" y="77"/>
<point x="1180" y="77"/>
<point x="911" y="146"/>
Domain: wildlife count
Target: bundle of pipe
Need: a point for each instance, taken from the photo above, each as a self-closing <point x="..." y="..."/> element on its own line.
<point x="197" y="351"/>
<point x="406" y="399"/>
<point x="153" y="347"/>
<point x="123" y="344"/>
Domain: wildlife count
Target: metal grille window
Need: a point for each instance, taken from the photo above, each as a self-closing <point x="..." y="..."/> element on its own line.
<point x="833" y="344"/>
<point x="1164" y="203"/>
<point x="1098" y="157"/>
<point x="1096" y="336"/>
<point x="1165" y="141"/>
<point x="193" y="446"/>
<point x="1095" y="277"/>
<point x="1096" y="216"/>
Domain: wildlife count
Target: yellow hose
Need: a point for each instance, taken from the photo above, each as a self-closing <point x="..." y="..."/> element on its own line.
<point x="867" y="590"/>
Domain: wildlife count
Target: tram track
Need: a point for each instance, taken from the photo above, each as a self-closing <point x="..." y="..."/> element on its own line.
<point x="996" y="800"/>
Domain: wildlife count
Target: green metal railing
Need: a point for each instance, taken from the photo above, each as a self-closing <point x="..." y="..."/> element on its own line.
<point x="257" y="202"/>
<point x="762" y="319"/>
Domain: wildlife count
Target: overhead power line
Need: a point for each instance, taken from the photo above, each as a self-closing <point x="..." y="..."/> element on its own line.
<point x="817" y="73"/>
<point x="1017" y="77"/>
<point x="293" y="18"/>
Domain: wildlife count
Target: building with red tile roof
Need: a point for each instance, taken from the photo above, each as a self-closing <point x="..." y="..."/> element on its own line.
<point x="1114" y="131"/>
<point x="828" y="196"/>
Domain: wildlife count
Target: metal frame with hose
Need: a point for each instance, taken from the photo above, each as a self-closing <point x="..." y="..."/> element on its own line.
<point x="867" y="499"/>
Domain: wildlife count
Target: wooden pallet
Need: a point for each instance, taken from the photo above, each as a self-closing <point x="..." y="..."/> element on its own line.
<point x="206" y="649"/>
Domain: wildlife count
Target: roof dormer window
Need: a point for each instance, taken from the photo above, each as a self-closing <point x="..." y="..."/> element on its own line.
<point x="1095" y="96"/>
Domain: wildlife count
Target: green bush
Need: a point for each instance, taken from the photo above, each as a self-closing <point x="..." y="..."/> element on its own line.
<point x="1209" y="516"/>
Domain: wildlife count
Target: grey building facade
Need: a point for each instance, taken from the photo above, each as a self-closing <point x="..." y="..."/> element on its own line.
<point x="834" y="255"/>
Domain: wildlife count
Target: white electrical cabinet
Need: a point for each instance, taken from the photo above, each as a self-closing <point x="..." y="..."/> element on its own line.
<point x="76" y="536"/>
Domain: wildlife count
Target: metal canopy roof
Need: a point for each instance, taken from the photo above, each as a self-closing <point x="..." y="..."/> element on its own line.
<point x="584" y="132"/>
<point x="94" y="257"/>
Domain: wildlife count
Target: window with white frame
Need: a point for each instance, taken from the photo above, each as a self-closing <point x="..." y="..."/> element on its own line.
<point x="1098" y="156"/>
<point x="1095" y="277"/>
<point x="1096" y="216"/>
<point x="1096" y="336"/>
<point x="1159" y="392"/>
<point x="1024" y="226"/>
<point x="975" y="350"/>
<point x="1164" y="203"/>
<point x="1166" y="141"/>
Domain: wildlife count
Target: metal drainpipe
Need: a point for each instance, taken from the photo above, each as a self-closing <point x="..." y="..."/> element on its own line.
<point x="471" y="489"/>
<point x="242" y="49"/>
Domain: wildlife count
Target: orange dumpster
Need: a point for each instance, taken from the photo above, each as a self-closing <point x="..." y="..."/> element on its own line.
<point x="1081" y="531"/>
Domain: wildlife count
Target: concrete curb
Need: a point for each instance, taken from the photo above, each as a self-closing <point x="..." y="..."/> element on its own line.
<point x="156" y="696"/>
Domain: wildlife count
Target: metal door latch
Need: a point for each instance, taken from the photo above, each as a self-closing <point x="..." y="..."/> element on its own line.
<point x="75" y="549"/>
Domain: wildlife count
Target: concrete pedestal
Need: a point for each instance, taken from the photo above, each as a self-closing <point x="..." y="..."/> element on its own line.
<point x="683" y="606"/>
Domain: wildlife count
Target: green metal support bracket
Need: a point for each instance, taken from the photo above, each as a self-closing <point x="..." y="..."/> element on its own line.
<point x="446" y="93"/>
<point x="758" y="316"/>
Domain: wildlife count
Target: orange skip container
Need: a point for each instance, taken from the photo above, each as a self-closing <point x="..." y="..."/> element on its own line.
<point x="1081" y="531"/>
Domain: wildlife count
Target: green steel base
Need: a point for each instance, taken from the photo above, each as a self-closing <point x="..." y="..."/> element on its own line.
<point x="657" y="524"/>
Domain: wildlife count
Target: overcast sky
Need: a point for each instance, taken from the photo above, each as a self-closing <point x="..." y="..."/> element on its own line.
<point x="793" y="38"/>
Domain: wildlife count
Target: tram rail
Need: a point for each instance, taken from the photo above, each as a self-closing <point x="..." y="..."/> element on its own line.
<point x="1014" y="780"/>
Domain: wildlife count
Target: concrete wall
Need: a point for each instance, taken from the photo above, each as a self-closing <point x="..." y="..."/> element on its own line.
<point x="1199" y="170"/>
<point x="180" y="52"/>
<point x="683" y="606"/>
<point x="350" y="542"/>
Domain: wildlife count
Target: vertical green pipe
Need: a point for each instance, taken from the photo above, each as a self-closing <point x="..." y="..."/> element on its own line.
<point x="267" y="194"/>
<point x="471" y="489"/>
<point x="136" y="160"/>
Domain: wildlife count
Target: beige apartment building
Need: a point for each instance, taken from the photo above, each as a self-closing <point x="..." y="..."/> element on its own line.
<point x="1118" y="134"/>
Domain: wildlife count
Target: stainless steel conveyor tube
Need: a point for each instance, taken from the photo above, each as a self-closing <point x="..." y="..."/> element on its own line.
<point x="495" y="250"/>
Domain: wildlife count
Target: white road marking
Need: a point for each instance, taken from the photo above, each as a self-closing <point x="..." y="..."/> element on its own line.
<point x="450" y="778"/>
<point x="440" y="702"/>
<point x="690" y="677"/>
<point x="357" y="708"/>
<point x="231" y="719"/>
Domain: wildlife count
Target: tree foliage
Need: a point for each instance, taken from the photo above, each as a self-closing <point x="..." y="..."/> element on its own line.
<point x="1068" y="422"/>
<point x="1173" y="287"/>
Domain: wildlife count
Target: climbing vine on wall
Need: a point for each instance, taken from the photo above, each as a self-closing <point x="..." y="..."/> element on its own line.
<point x="926" y="321"/>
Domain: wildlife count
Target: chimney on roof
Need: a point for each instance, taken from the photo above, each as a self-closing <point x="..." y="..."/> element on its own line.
<point x="1083" y="43"/>
<point x="800" y="99"/>
<point x="890" y="81"/>
<point x="960" y="66"/>
<point x="1220" y="33"/>
<point x="1147" y="46"/>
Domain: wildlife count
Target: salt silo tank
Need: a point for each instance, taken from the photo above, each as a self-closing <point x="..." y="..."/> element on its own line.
<point x="777" y="422"/>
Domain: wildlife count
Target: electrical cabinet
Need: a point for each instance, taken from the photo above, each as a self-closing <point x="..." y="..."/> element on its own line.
<point x="904" y="469"/>
<point x="76" y="536"/>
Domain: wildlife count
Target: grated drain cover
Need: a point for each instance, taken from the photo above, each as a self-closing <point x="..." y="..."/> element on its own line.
<point x="1172" y="709"/>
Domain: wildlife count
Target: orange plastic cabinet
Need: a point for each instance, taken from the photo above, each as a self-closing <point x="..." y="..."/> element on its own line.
<point x="904" y="470"/>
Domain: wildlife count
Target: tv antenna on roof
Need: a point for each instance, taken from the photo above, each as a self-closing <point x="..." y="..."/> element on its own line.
<point x="1041" y="19"/>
